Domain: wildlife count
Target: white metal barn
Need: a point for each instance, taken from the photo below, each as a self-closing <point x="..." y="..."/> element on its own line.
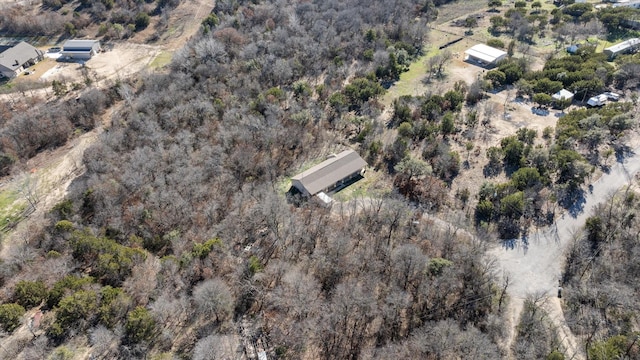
<point x="484" y="55"/>
<point x="80" y="49"/>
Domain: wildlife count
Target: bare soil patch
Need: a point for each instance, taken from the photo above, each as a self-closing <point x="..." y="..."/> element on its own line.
<point x="121" y="61"/>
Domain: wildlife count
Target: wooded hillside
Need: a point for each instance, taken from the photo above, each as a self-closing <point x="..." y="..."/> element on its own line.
<point x="179" y="241"/>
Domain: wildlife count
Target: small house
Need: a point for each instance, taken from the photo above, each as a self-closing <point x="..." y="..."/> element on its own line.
<point x="330" y="174"/>
<point x="484" y="55"/>
<point x="16" y="59"/>
<point x="80" y="49"/>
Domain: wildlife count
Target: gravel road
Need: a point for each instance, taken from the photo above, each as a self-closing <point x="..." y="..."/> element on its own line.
<point x="534" y="265"/>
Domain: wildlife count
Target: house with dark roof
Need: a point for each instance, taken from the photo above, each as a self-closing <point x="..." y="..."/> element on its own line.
<point x="16" y="59"/>
<point x="330" y="174"/>
<point x="80" y="49"/>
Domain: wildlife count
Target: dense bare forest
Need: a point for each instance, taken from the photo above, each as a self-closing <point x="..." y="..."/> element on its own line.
<point x="181" y="241"/>
<point x="600" y="278"/>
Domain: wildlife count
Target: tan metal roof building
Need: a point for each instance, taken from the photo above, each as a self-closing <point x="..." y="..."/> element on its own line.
<point x="330" y="173"/>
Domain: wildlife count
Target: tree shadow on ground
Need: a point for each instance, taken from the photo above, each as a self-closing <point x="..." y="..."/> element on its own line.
<point x="573" y="202"/>
<point x="623" y="151"/>
<point x="490" y="171"/>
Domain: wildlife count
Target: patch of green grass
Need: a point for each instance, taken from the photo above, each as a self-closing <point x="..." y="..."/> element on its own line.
<point x="11" y="208"/>
<point x="410" y="82"/>
<point x="7" y="198"/>
<point x="406" y="84"/>
<point x="370" y="186"/>
<point x="12" y="217"/>
<point x="162" y="59"/>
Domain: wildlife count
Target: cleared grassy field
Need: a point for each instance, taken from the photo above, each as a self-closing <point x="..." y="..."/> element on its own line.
<point x="410" y="82"/>
<point x="457" y="9"/>
<point x="372" y="185"/>
<point x="163" y="58"/>
<point x="11" y="209"/>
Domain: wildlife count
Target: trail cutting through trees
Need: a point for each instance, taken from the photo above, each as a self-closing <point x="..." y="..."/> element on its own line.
<point x="534" y="264"/>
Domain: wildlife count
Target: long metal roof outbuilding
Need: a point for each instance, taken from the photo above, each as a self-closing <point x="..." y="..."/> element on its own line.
<point x="622" y="47"/>
<point x="329" y="172"/>
<point x="488" y="54"/>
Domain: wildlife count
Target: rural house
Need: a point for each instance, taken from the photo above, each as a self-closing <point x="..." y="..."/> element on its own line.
<point x="484" y="55"/>
<point x="329" y="174"/>
<point x="80" y="49"/>
<point x="15" y="59"/>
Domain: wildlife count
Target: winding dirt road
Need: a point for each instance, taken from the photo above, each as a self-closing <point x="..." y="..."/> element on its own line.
<point x="534" y="265"/>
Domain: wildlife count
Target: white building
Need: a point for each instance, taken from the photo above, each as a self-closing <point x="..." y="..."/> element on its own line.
<point x="598" y="100"/>
<point x="563" y="94"/>
<point x="484" y="55"/>
<point x="624" y="47"/>
<point x="80" y="49"/>
<point x="632" y="4"/>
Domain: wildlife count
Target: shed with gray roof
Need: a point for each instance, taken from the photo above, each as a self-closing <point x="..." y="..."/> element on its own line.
<point x="80" y="49"/>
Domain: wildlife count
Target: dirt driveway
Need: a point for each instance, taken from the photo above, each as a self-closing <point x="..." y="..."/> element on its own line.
<point x="534" y="264"/>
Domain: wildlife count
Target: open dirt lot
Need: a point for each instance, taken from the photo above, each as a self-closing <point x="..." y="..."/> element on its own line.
<point x="122" y="60"/>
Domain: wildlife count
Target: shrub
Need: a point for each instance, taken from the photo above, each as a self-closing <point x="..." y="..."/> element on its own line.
<point x="255" y="266"/>
<point x="64" y="226"/>
<point x="142" y="21"/>
<point x="114" y="305"/>
<point x="437" y="265"/>
<point x="140" y="326"/>
<point x="63" y="209"/>
<point x="81" y="305"/>
<point x="108" y="260"/>
<point x="10" y="315"/>
<point x="6" y="161"/>
<point x="405" y="130"/>
<point x="210" y="22"/>
<point x="61" y="353"/>
<point x="30" y="293"/>
<point x="201" y="251"/>
<point x="70" y="282"/>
